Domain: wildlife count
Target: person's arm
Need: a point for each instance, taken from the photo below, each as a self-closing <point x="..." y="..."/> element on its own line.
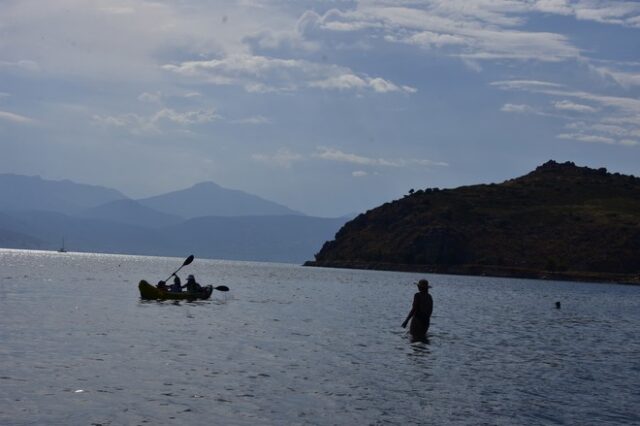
<point x="412" y="312"/>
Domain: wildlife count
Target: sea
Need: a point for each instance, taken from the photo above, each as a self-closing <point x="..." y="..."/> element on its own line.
<point x="293" y="345"/>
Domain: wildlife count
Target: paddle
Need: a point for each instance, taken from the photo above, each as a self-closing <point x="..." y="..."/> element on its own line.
<point x="221" y="288"/>
<point x="186" y="262"/>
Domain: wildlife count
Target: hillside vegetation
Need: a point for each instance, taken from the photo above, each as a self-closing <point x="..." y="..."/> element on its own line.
<point x="560" y="221"/>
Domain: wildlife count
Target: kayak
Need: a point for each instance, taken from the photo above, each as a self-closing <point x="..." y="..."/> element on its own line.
<point x="149" y="292"/>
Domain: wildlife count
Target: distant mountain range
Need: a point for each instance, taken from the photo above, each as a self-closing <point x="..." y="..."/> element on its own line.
<point x="560" y="221"/>
<point x="206" y="220"/>
<point x="19" y="192"/>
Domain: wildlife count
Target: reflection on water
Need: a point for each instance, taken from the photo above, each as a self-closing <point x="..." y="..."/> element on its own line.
<point x="292" y="345"/>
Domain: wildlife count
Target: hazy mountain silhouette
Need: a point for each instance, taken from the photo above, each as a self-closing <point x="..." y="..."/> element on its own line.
<point x="210" y="199"/>
<point x="11" y="238"/>
<point x="290" y="239"/>
<point x="132" y="213"/>
<point x="97" y="219"/>
<point x="262" y="238"/>
<point x="34" y="193"/>
<point x="90" y="235"/>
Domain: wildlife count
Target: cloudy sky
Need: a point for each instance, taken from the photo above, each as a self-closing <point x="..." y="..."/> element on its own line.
<point x="330" y="107"/>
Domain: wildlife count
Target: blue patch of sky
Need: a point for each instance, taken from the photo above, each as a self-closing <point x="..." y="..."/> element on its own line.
<point x="596" y="40"/>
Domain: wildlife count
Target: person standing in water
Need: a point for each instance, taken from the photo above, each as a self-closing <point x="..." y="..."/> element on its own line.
<point x="420" y="314"/>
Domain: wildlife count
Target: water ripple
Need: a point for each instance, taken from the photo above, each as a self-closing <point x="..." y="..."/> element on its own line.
<point x="301" y="346"/>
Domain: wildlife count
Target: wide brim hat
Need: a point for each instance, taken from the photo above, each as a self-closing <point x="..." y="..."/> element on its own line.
<point x="423" y="284"/>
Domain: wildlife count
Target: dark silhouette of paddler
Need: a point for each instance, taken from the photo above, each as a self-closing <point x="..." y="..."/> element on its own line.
<point x="420" y="314"/>
<point x="176" y="287"/>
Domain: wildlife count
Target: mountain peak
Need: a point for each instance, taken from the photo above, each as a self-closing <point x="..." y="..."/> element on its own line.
<point x="210" y="199"/>
<point x="552" y="166"/>
<point x="206" y="185"/>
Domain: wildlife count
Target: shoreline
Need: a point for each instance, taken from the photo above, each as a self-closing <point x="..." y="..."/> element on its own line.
<point x="486" y="271"/>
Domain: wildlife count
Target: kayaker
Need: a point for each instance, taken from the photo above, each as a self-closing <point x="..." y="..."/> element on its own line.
<point x="176" y="287"/>
<point x="191" y="285"/>
<point x="420" y="313"/>
<point x="161" y="286"/>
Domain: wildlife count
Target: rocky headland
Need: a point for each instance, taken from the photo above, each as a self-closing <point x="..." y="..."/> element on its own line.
<point x="561" y="222"/>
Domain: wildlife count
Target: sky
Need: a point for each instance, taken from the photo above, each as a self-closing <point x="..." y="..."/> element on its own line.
<point x="329" y="107"/>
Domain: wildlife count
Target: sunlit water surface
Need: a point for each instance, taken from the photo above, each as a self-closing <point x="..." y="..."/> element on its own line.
<point x="297" y="346"/>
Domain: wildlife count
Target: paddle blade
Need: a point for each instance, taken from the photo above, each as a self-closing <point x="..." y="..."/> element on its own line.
<point x="188" y="260"/>
<point x="221" y="288"/>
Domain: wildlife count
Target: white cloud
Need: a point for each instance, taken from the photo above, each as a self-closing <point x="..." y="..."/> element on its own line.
<point x="625" y="104"/>
<point x="617" y="118"/>
<point x="525" y="85"/>
<point x="77" y="39"/>
<point x="21" y="65"/>
<point x="610" y="12"/>
<point x="341" y="82"/>
<point x="614" y="12"/>
<point x="334" y="20"/>
<point x="139" y="124"/>
<point x="353" y="82"/>
<point x="127" y="39"/>
<point x="430" y="39"/>
<point x="587" y="138"/>
<point x="15" y="118"/>
<point x="159" y="97"/>
<point x="255" y="120"/>
<point x="359" y="173"/>
<point x="186" y="118"/>
<point x="626" y="79"/>
<point x="150" y="97"/>
<point x="481" y="30"/>
<point x="521" y="46"/>
<point x="566" y="105"/>
<point x="283" y="158"/>
<point x="383" y="86"/>
<point x="262" y="74"/>
<point x="286" y="37"/>
<point x="518" y="109"/>
<point x="236" y="68"/>
<point x="332" y="154"/>
<point x="558" y="7"/>
<point x="429" y="163"/>
<point x="604" y="129"/>
<point x="629" y="142"/>
<point x="115" y="121"/>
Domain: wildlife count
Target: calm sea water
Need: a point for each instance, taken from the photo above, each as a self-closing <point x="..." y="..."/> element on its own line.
<point x="305" y="346"/>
